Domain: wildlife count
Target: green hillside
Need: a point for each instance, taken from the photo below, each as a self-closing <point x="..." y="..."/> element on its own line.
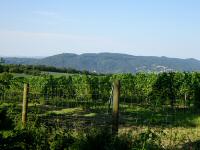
<point x="112" y="62"/>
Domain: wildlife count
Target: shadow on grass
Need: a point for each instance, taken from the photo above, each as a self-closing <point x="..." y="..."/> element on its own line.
<point x="43" y="108"/>
<point x="191" y="146"/>
<point x="140" y="116"/>
<point x="160" y="117"/>
<point x="136" y="115"/>
<point x="75" y="118"/>
<point x="72" y="115"/>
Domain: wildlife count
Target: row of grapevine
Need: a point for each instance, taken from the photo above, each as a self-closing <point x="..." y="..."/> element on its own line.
<point x="165" y="88"/>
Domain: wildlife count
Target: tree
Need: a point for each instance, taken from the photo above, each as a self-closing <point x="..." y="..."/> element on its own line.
<point x="166" y="87"/>
<point x="65" y="87"/>
<point x="142" y="87"/>
<point x="196" y="88"/>
<point x="185" y="91"/>
<point x="2" y="60"/>
<point x="5" y="82"/>
<point x="83" y="88"/>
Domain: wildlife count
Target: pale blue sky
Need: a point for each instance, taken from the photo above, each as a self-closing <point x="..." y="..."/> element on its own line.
<point x="138" y="27"/>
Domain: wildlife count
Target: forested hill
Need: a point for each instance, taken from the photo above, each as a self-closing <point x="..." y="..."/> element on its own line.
<point x="111" y="62"/>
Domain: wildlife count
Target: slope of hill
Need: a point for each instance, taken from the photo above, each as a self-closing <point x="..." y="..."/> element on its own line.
<point x="112" y="62"/>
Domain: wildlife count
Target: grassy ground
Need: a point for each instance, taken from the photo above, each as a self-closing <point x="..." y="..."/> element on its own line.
<point x="176" y="128"/>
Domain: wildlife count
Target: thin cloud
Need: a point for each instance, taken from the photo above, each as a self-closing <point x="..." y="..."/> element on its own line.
<point x="45" y="13"/>
<point x="54" y="17"/>
<point x="13" y="34"/>
<point x="15" y="43"/>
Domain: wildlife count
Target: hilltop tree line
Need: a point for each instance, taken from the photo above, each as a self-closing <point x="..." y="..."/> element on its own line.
<point x="38" y="69"/>
<point x="172" y="88"/>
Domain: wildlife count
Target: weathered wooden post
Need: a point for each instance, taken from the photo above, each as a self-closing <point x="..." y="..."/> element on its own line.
<point x="185" y="100"/>
<point x="115" y="113"/>
<point x="25" y="104"/>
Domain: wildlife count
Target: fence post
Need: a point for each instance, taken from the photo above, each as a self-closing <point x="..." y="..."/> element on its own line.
<point x="115" y="113"/>
<point x="25" y="104"/>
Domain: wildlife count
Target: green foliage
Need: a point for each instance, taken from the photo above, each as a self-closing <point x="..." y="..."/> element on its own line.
<point x="102" y="139"/>
<point x="167" y="87"/>
<point x="51" y="92"/>
<point x="5" y="82"/>
<point x="196" y="88"/>
<point x="61" y="139"/>
<point x="41" y="138"/>
<point x="36" y="70"/>
<point x="6" y="122"/>
<point x="148" y="140"/>
<point x="83" y="86"/>
<point x="23" y="139"/>
<point x="95" y="139"/>
<point x="2" y="61"/>
<point x="153" y="89"/>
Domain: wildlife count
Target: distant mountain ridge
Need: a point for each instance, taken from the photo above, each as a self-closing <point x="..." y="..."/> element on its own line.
<point x="111" y="62"/>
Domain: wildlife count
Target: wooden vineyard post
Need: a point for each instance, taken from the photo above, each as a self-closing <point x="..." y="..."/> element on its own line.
<point x="25" y="104"/>
<point x="115" y="113"/>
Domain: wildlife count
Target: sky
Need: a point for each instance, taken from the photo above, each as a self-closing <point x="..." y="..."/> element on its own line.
<point x="138" y="27"/>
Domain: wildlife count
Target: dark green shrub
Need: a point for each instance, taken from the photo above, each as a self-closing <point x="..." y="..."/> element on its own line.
<point x="102" y="139"/>
<point x="6" y="122"/>
<point x="148" y="140"/>
<point x="26" y="139"/>
<point x="95" y="139"/>
<point x="61" y="139"/>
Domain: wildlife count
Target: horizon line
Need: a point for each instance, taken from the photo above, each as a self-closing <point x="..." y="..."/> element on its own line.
<point x="41" y="57"/>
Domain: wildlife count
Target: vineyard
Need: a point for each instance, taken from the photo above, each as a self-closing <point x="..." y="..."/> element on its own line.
<point x="156" y="111"/>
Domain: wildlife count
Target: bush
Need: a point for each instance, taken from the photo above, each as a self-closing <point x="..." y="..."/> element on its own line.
<point x="42" y="138"/>
<point x="23" y="139"/>
<point x="61" y="139"/>
<point x="102" y="139"/>
<point x="6" y="122"/>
